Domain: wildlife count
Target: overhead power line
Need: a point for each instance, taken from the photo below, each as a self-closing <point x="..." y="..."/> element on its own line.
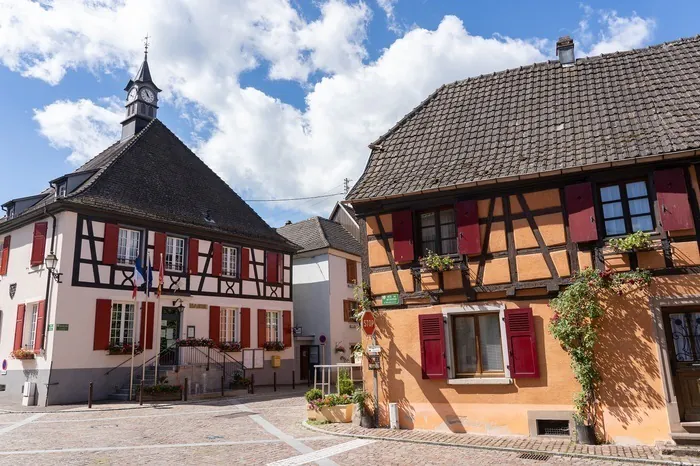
<point x="294" y="198"/>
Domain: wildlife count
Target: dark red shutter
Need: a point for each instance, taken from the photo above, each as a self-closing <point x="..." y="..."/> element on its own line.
<point x="193" y="256"/>
<point x="245" y="263"/>
<point x="522" y="344"/>
<point x="158" y="250"/>
<point x="110" y="244"/>
<point x="5" y="260"/>
<point x="579" y="206"/>
<point x="272" y="267"/>
<point x="40" y="319"/>
<point x="216" y="260"/>
<point x="403" y="236"/>
<point x="103" y="317"/>
<point x="287" y="328"/>
<point x="215" y="323"/>
<point x="39" y="243"/>
<point x="245" y="327"/>
<point x="468" y="232"/>
<point x="147" y="333"/>
<point x="19" y="326"/>
<point x="672" y="196"/>
<point x="262" y="325"/>
<point x="432" y="346"/>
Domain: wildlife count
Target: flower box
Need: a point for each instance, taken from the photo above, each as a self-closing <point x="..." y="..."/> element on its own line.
<point x="163" y="396"/>
<point x="206" y="342"/>
<point x="339" y="413"/>
<point x="124" y="349"/>
<point x="274" y="346"/>
<point x="229" y="346"/>
<point x="22" y="354"/>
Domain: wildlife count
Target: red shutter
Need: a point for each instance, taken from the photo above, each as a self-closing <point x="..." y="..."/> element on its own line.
<point x="193" y="256"/>
<point x="5" y="259"/>
<point x="147" y="333"/>
<point x="158" y="250"/>
<point x="103" y="317"/>
<point x="245" y="263"/>
<point x="110" y="244"/>
<point x="579" y="206"/>
<point x="672" y="196"/>
<point x="216" y="260"/>
<point x="39" y="243"/>
<point x="287" y="328"/>
<point x="215" y="323"/>
<point x="272" y="267"/>
<point x="261" y="328"/>
<point x="40" y="319"/>
<point x="245" y="327"/>
<point x="468" y="232"/>
<point x="403" y="236"/>
<point x="432" y="346"/>
<point x="522" y="344"/>
<point x="19" y="326"/>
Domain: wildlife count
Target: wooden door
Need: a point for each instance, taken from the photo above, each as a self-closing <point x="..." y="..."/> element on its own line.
<point x="304" y="362"/>
<point x="683" y="336"/>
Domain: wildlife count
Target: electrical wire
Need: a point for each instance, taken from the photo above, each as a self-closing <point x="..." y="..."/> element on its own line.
<point x="294" y="198"/>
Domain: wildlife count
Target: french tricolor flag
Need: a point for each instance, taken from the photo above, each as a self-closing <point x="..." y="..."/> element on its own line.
<point x="139" y="277"/>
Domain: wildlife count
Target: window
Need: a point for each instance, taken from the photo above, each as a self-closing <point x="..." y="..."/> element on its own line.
<point x="128" y="248"/>
<point x="273" y="326"/>
<point x="438" y="232"/>
<point x="351" y="271"/>
<point x="478" y="350"/>
<point x="61" y="190"/>
<point x="626" y="208"/>
<point x="11" y="212"/>
<point x="227" y="327"/>
<point x="174" y="254"/>
<point x="349" y="310"/>
<point x="229" y="261"/>
<point x="121" y="330"/>
<point x="29" y="336"/>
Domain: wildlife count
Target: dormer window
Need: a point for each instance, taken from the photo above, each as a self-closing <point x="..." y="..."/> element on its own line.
<point x="61" y="190"/>
<point x="11" y="212"/>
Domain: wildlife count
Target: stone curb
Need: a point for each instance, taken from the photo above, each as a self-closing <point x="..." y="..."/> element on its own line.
<point x="494" y="448"/>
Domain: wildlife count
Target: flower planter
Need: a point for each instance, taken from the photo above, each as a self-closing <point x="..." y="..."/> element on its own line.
<point x="340" y="413"/>
<point x="163" y="396"/>
<point x="22" y="355"/>
<point x="585" y="434"/>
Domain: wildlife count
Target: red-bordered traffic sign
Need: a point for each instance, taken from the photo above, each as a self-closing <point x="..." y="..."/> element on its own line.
<point x="368" y="323"/>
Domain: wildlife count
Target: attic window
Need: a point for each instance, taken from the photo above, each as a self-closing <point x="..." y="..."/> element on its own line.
<point x="207" y="217"/>
<point x="11" y="212"/>
<point x="61" y="190"/>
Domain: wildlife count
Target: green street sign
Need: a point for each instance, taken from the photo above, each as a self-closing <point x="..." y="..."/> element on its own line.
<point x="390" y="299"/>
<point x="50" y="327"/>
<point x="61" y="327"/>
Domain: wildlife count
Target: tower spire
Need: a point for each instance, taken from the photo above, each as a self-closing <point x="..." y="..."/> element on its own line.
<point x="142" y="98"/>
<point x="145" y="47"/>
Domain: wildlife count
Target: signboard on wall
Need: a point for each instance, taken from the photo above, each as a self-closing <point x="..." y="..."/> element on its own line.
<point x="253" y="358"/>
<point x="198" y="306"/>
<point x="390" y="299"/>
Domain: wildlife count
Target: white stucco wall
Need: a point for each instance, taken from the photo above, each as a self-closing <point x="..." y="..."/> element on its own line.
<point x="344" y="333"/>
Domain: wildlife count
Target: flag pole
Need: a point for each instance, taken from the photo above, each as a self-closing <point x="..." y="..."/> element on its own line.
<point x="133" y="348"/>
<point x="158" y="327"/>
<point x="145" y="321"/>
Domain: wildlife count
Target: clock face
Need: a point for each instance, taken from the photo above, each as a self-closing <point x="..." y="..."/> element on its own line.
<point x="132" y="94"/>
<point x="148" y="95"/>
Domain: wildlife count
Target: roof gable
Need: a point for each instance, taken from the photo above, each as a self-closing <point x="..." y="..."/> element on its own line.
<point x="320" y="233"/>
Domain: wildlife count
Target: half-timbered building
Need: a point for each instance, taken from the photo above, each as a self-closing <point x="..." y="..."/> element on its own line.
<point x="523" y="177"/>
<point x="68" y="256"/>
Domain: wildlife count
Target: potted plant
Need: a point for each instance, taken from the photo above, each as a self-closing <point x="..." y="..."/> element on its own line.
<point x="21" y="353"/>
<point x="332" y="408"/>
<point x="274" y="346"/>
<point x="361" y="416"/>
<point x="435" y="263"/>
<point x="339" y="348"/>
<point x="238" y="381"/>
<point x="638" y="241"/>
<point x="162" y="391"/>
<point x="229" y="346"/>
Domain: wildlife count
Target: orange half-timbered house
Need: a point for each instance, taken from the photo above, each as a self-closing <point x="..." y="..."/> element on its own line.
<point x="522" y="177"/>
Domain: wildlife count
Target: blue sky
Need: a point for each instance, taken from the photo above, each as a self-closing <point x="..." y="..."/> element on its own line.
<point x="280" y="98"/>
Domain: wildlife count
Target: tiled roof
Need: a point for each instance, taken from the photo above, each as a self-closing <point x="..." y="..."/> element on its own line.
<point x="541" y="118"/>
<point x="320" y="233"/>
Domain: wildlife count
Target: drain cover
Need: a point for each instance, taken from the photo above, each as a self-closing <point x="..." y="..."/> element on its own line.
<point x="535" y="456"/>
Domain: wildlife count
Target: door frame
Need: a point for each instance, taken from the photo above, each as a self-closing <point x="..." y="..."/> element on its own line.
<point x="180" y="320"/>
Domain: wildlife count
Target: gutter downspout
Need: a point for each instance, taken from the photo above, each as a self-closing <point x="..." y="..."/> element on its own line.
<point x="46" y="300"/>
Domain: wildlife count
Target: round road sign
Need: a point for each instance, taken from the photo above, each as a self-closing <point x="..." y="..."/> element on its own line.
<point x="322" y="339"/>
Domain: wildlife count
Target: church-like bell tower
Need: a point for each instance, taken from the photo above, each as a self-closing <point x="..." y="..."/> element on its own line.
<point x="141" y="99"/>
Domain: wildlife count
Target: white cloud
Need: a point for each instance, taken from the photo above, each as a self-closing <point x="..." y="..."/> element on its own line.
<point x="617" y="33"/>
<point x="388" y="7"/>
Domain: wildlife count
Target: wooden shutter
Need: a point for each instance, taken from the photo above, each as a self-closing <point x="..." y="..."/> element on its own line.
<point x="40" y="319"/>
<point x="432" y="346"/>
<point x="158" y="250"/>
<point x="39" y="243"/>
<point x="215" y="323"/>
<point x="216" y="260"/>
<point x="272" y="267"/>
<point x="19" y="326"/>
<point x="581" y="212"/>
<point x="522" y="344"/>
<point x="110" y="244"/>
<point x="5" y="259"/>
<point x="348" y="310"/>
<point x="193" y="256"/>
<point x="147" y="333"/>
<point x="468" y="231"/>
<point x="403" y="236"/>
<point x="103" y="318"/>
<point x="245" y="327"/>
<point x="261" y="328"/>
<point x="287" y="328"/>
<point x="245" y="263"/>
<point x="672" y="196"/>
<point x="351" y="271"/>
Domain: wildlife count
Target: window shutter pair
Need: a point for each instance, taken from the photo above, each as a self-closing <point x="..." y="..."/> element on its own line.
<point x="287" y="328"/>
<point x="19" y="326"/>
<point x="38" y="243"/>
<point x="193" y="256"/>
<point x="262" y="327"/>
<point x="159" y="240"/>
<point x="216" y="260"/>
<point x="351" y="271"/>
<point x="5" y="259"/>
<point x="110" y="244"/>
<point x="273" y="267"/>
<point x="215" y="323"/>
<point x="148" y="333"/>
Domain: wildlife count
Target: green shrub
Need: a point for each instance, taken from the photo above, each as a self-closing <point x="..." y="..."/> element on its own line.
<point x="313" y="394"/>
<point x="345" y="383"/>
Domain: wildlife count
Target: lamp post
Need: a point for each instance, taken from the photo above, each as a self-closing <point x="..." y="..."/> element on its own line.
<point x="51" y="262"/>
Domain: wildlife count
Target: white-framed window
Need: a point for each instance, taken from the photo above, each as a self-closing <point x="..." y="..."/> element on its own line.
<point x="228" y="325"/>
<point x="11" y="212"/>
<point x="174" y="254"/>
<point x="129" y="246"/>
<point x="121" y="330"/>
<point x="273" y="326"/>
<point x="31" y="316"/>
<point x="61" y="190"/>
<point x="229" y="261"/>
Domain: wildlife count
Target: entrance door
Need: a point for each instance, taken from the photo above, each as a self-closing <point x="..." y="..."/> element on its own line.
<point x="308" y="359"/>
<point x="169" y="333"/>
<point x="683" y="329"/>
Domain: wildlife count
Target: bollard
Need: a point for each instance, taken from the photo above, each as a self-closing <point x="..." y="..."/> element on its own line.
<point x="252" y="384"/>
<point x="184" y="394"/>
<point x="90" y="395"/>
<point x="274" y="380"/>
<point x="222" y="385"/>
<point x="293" y="382"/>
<point x="308" y="379"/>
<point x="141" y="394"/>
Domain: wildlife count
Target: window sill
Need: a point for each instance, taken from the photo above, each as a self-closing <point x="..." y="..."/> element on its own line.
<point x="481" y="381"/>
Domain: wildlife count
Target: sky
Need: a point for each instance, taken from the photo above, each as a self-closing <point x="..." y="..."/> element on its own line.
<point x="279" y="97"/>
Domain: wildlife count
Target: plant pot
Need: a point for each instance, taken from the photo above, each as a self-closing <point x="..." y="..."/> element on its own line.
<point x="367" y="420"/>
<point x="585" y="434"/>
<point x="340" y="413"/>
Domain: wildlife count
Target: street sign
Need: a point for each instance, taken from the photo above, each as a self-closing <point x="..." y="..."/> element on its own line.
<point x="373" y="363"/>
<point x="322" y="339"/>
<point x="368" y="323"/>
<point x="61" y="327"/>
<point x="390" y="299"/>
<point x="374" y="349"/>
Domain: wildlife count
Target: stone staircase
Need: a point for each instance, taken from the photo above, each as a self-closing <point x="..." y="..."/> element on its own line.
<point x="122" y="392"/>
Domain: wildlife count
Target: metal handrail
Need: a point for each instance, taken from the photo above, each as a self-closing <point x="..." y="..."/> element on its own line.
<point x="152" y="358"/>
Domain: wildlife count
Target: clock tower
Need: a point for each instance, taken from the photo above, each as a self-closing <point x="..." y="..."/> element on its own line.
<point x="141" y="100"/>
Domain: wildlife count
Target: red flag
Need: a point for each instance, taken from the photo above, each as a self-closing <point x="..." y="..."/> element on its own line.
<point x="161" y="276"/>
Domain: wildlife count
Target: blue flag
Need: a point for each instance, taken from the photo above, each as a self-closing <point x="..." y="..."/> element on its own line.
<point x="149" y="275"/>
<point x="143" y="277"/>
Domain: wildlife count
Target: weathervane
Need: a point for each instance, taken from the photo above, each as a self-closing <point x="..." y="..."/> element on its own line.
<point x="145" y="47"/>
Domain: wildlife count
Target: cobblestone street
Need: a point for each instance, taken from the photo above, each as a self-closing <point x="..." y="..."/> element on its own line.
<point x="266" y="429"/>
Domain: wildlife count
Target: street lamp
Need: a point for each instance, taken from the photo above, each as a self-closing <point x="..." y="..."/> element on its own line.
<point x="181" y="306"/>
<point x="51" y="262"/>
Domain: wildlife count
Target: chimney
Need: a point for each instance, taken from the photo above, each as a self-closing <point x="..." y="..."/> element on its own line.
<point x="288" y="222"/>
<point x="565" y="51"/>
